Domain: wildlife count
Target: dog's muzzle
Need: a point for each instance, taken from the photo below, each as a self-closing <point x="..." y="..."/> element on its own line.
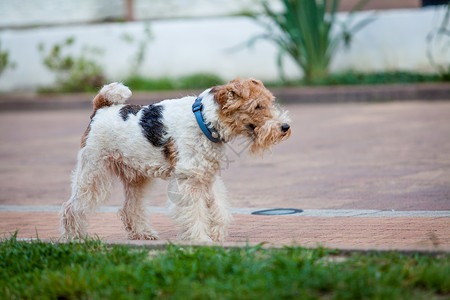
<point x="285" y="127"/>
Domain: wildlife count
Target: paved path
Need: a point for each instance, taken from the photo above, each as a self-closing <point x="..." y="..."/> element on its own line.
<point x="379" y="157"/>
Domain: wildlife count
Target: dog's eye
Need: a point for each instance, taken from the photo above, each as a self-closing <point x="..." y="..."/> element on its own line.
<point x="259" y="106"/>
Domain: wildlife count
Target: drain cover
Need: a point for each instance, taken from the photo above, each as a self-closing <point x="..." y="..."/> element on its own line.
<point x="278" y="211"/>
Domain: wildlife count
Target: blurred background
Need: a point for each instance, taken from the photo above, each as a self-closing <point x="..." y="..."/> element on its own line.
<point x="73" y="46"/>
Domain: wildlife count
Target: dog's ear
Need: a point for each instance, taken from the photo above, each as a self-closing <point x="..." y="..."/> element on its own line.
<point x="229" y="93"/>
<point x="256" y="81"/>
<point x="236" y="89"/>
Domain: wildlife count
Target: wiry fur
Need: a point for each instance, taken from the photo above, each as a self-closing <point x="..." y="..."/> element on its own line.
<point x="164" y="141"/>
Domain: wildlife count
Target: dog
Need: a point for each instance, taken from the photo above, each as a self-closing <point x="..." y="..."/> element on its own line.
<point x="180" y="140"/>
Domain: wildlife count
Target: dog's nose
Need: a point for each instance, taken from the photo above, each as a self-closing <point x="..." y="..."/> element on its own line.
<point x="285" y="127"/>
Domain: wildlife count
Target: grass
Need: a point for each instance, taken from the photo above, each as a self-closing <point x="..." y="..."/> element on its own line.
<point x="202" y="81"/>
<point x="350" y="78"/>
<point x="354" y="78"/>
<point x="190" y="82"/>
<point x="93" y="270"/>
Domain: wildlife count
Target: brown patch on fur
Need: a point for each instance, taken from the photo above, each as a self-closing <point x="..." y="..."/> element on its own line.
<point x="84" y="136"/>
<point x="247" y="108"/>
<point x="122" y="170"/>
<point x="98" y="102"/>
<point x="101" y="101"/>
<point x="245" y="105"/>
<point x="86" y="132"/>
<point x="240" y="89"/>
<point x="170" y="153"/>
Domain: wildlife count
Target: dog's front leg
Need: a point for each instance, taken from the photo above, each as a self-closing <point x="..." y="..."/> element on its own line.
<point x="190" y="197"/>
<point x="219" y="215"/>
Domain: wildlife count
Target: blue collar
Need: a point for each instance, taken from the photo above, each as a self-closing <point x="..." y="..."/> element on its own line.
<point x="210" y="132"/>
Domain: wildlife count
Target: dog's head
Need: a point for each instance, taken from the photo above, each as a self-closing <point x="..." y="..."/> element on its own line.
<point x="248" y="109"/>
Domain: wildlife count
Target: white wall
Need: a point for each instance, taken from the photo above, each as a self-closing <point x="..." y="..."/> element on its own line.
<point x="396" y="40"/>
<point x="20" y="13"/>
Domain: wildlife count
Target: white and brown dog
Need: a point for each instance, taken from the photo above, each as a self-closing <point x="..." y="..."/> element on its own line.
<point x="182" y="140"/>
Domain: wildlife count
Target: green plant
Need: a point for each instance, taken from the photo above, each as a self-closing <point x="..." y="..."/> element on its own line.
<point x="142" y="45"/>
<point x="303" y="30"/>
<point x="90" y="269"/>
<point x="354" y="78"/>
<point x="198" y="81"/>
<point x="189" y="82"/>
<point x="74" y="74"/>
<point x="5" y="62"/>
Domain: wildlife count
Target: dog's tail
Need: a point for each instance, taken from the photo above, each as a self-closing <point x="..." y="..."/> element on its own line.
<point x="113" y="93"/>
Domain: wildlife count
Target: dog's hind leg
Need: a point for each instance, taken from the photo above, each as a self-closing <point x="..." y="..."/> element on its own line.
<point x="91" y="186"/>
<point x="190" y="197"/>
<point x="134" y="214"/>
<point x="219" y="215"/>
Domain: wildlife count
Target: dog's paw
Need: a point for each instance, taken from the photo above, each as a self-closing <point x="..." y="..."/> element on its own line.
<point x="196" y="239"/>
<point x="143" y="236"/>
<point x="218" y="235"/>
<point x="218" y="238"/>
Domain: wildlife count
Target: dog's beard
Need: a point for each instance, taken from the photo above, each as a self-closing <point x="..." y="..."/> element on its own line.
<point x="267" y="136"/>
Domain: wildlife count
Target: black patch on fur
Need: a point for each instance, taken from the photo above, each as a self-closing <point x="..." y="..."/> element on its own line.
<point x="152" y="125"/>
<point x="129" y="109"/>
